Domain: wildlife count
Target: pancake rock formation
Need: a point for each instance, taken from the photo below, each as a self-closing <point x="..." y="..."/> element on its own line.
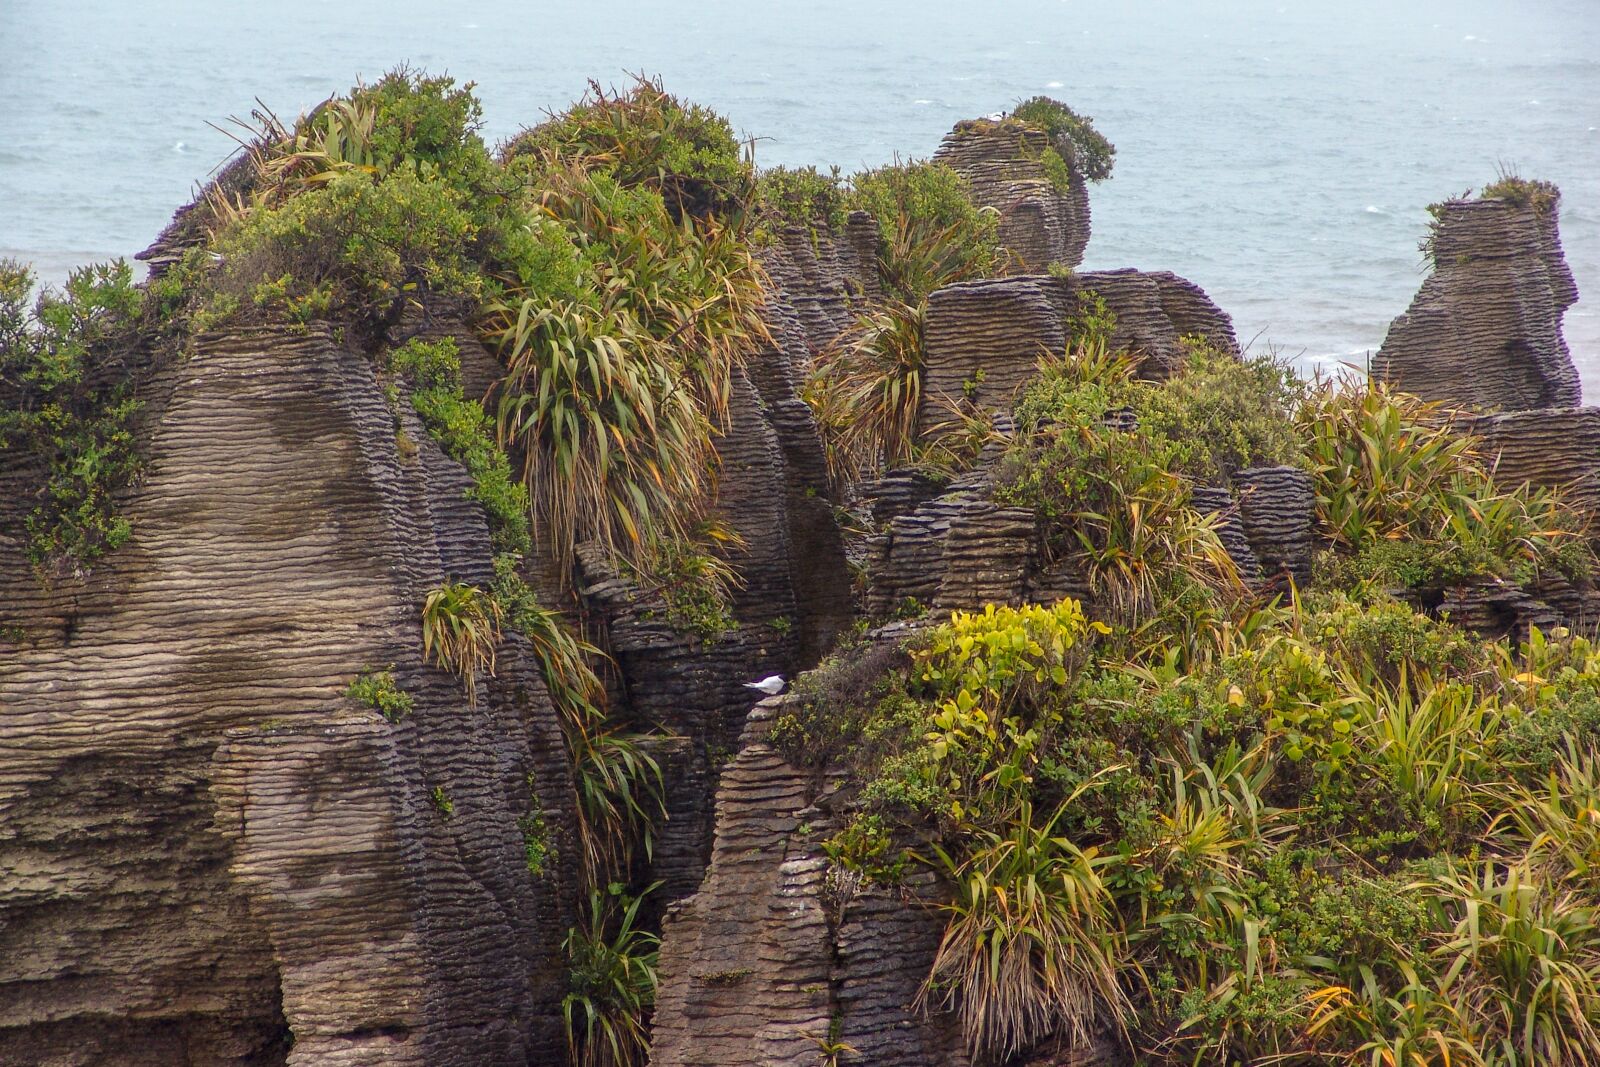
<point x="1485" y="329"/>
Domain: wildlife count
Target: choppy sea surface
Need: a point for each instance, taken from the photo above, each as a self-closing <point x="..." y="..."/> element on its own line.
<point x="1282" y="154"/>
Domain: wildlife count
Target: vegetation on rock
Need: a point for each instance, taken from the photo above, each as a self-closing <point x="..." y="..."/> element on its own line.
<point x="68" y="364"/>
<point x="1218" y="826"/>
<point x="1074" y="142"/>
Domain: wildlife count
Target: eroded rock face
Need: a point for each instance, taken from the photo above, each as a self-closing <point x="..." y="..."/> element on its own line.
<point x="984" y="339"/>
<point x="205" y="847"/>
<point x="1039" y="223"/>
<point x="1558" y="448"/>
<point x="757" y="965"/>
<point x="1485" y="329"/>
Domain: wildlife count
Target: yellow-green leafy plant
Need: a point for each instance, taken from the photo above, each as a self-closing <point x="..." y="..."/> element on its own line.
<point x="1032" y="947"/>
<point x="461" y="632"/>
<point x="1397" y="482"/>
<point x="1558" y="820"/>
<point x="614" y="389"/>
<point x="1526" y="956"/>
<point x="1415" y="1025"/>
<point x="612" y="983"/>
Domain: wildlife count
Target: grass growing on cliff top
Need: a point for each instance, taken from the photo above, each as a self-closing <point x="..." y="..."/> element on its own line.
<point x="643" y="137"/>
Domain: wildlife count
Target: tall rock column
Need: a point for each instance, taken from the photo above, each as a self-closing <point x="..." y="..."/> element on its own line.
<point x="1485" y="329"/>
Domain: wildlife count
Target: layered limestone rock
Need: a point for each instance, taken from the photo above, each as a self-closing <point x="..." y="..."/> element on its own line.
<point x="984" y="339"/>
<point x="208" y="853"/>
<point x="1040" y="224"/>
<point x="794" y="597"/>
<point x="1558" y="448"/>
<point x="774" y="956"/>
<point x="1485" y="329"/>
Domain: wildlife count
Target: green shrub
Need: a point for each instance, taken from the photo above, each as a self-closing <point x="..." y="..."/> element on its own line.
<point x="1399" y="488"/>
<point x="379" y="691"/>
<point x="1073" y="137"/>
<point x="1224" y="414"/>
<point x="646" y="137"/>
<point x="930" y="231"/>
<point x="353" y="245"/>
<point x="1523" y="192"/>
<point x="67" y="368"/>
<point x="801" y="196"/>
<point x="1111" y="499"/>
<point x="692" y="582"/>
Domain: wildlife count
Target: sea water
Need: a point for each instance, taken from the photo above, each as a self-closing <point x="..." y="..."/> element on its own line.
<point x="1281" y="153"/>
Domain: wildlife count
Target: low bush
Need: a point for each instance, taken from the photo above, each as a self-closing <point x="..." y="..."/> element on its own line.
<point x="1270" y="851"/>
<point x="1072" y="136"/>
<point x="643" y="136"/>
<point x="68" y="366"/>
<point x="1400" y="488"/>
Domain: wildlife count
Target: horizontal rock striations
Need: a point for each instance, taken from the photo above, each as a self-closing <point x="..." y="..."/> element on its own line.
<point x="1485" y="329"/>
<point x="773" y="956"/>
<point x="1040" y="223"/>
<point x="984" y="339"/>
<point x="207" y="846"/>
<point x="1557" y="447"/>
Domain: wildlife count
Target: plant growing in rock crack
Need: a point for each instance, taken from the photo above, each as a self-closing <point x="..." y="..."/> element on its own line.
<point x="379" y="691"/>
<point x="612" y="976"/>
<point x="461" y="632"/>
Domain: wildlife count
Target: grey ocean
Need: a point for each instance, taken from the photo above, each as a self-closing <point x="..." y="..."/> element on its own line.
<point x="1281" y="154"/>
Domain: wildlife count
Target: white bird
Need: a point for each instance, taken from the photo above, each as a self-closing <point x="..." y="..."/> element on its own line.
<point x="771" y="685"/>
<point x="996" y="116"/>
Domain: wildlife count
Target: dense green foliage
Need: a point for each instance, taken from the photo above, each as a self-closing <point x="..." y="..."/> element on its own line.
<point x="930" y="231"/>
<point x="1073" y="139"/>
<point x="1241" y="857"/>
<point x="800" y="196"/>
<point x="1227" y="830"/>
<point x="645" y="138"/>
<point x="379" y="691"/>
<point x="68" y="364"/>
<point x="1410" y="496"/>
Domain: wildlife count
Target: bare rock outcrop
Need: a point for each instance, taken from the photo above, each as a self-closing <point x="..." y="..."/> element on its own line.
<point x="1485" y="329"/>
<point x="773" y="955"/>
<point x="984" y="339"/>
<point x="208" y="853"/>
<point x="1554" y="447"/>
<point x="1002" y="160"/>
